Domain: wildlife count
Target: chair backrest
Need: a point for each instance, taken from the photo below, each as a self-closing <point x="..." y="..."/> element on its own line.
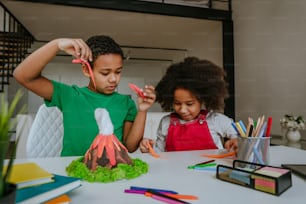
<point x="45" y="138"/>
<point x="152" y="123"/>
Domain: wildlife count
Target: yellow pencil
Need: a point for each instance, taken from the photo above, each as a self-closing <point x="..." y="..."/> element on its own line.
<point x="241" y="132"/>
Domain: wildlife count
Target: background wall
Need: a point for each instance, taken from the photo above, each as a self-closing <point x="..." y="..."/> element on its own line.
<point x="270" y="55"/>
<point x="270" y="59"/>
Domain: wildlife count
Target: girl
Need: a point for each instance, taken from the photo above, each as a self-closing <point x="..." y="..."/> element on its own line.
<point x="195" y="91"/>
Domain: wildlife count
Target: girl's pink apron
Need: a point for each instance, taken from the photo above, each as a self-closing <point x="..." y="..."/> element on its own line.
<point x="193" y="135"/>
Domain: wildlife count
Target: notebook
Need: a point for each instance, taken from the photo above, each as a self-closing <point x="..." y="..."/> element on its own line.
<point x="45" y="192"/>
<point x="299" y="169"/>
<point x="63" y="199"/>
<point x="29" y="174"/>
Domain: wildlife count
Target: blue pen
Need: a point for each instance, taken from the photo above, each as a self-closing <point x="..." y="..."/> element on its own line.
<point x="153" y="189"/>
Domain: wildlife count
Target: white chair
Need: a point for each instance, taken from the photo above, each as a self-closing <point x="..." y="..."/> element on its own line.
<point x="152" y="123"/>
<point x="45" y="138"/>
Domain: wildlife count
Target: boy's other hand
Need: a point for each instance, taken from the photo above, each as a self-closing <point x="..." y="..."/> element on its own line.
<point x="145" y="103"/>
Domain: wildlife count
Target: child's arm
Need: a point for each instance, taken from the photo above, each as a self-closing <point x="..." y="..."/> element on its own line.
<point x="144" y="145"/>
<point x="28" y="73"/>
<point x="133" y="132"/>
<point x="231" y="144"/>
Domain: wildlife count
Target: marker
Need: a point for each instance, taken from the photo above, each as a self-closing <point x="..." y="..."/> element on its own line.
<point x="240" y="130"/>
<point x="202" y="165"/>
<point x="206" y="162"/>
<point x="164" y="197"/>
<point x="242" y="125"/>
<point x="251" y="130"/>
<point x="235" y="128"/>
<point x="199" y="168"/>
<point x="153" y="189"/>
<point x="269" y="125"/>
<point x="178" y="196"/>
<point x="258" y="156"/>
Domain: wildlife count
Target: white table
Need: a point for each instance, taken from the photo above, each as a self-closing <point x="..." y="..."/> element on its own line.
<point x="170" y="172"/>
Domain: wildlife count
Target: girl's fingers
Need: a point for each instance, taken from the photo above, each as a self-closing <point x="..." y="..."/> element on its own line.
<point x="144" y="146"/>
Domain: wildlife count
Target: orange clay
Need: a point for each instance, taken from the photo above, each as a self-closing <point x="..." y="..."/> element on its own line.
<point x="137" y="90"/>
<point x="219" y="155"/>
<point x="152" y="152"/>
<point x="80" y="61"/>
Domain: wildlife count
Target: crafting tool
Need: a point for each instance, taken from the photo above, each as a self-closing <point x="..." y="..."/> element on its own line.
<point x="153" y="189"/>
<point x="137" y="90"/>
<point x="152" y="151"/>
<point x="81" y="61"/>
<point x="178" y="196"/>
<point x="164" y="197"/>
<point x="202" y="165"/>
<point x="219" y="155"/>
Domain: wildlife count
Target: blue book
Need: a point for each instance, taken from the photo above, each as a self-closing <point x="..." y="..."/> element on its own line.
<point x="47" y="191"/>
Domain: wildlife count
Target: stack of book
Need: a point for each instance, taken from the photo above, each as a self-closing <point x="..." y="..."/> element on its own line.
<point x="36" y="185"/>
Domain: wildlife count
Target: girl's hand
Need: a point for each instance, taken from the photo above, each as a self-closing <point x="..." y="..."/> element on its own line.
<point x="145" y="103"/>
<point x="144" y="145"/>
<point x="75" y="47"/>
<point x="231" y="145"/>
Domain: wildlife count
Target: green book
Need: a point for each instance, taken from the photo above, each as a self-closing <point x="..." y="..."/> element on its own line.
<point x="47" y="191"/>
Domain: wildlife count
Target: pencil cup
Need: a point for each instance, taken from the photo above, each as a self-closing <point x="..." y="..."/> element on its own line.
<point x="254" y="149"/>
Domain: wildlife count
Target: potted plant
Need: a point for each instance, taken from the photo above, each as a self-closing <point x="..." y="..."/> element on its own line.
<point x="292" y="124"/>
<point x="7" y="190"/>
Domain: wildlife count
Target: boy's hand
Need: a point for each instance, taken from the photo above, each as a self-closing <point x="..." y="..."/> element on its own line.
<point x="231" y="145"/>
<point x="144" y="145"/>
<point x="75" y="47"/>
<point x="145" y="103"/>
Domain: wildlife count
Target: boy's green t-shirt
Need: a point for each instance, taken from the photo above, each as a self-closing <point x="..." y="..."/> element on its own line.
<point x="78" y="106"/>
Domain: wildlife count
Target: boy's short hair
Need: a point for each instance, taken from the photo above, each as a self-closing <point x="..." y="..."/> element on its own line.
<point x="102" y="45"/>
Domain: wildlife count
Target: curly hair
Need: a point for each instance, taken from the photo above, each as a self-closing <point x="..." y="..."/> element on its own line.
<point x="102" y="45"/>
<point x="204" y="79"/>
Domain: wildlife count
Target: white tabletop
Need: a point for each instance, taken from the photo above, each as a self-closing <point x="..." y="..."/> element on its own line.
<point x="170" y="172"/>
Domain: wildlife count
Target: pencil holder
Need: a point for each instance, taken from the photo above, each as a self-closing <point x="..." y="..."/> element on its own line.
<point x="254" y="150"/>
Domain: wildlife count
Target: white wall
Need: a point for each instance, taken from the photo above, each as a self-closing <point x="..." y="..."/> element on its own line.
<point x="270" y="59"/>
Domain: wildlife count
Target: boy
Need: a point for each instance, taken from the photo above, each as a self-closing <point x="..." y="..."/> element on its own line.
<point x="79" y="103"/>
